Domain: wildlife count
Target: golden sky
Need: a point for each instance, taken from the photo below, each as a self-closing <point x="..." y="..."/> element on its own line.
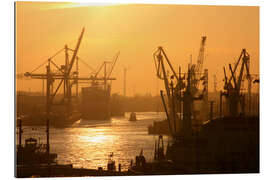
<point x="136" y="31"/>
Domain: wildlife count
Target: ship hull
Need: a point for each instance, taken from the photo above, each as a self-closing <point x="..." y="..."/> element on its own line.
<point x="95" y="103"/>
<point x="56" y="120"/>
<point x="224" y="145"/>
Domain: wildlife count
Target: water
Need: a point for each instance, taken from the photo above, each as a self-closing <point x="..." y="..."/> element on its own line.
<point x="87" y="144"/>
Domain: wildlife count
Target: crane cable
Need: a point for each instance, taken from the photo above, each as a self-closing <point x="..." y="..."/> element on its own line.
<point x="87" y="65"/>
<point x="47" y="60"/>
<point x="113" y="63"/>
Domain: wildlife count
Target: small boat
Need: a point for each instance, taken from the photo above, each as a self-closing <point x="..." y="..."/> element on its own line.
<point x="160" y="166"/>
<point x="32" y="152"/>
<point x="111" y="163"/>
<point x="132" y="117"/>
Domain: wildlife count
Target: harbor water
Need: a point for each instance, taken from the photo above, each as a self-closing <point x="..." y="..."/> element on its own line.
<point x="88" y="143"/>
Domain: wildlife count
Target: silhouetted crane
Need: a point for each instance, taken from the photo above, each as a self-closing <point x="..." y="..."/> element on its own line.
<point x="199" y="66"/>
<point x="162" y="73"/>
<point x="232" y="85"/>
<point x="64" y="75"/>
<point x="178" y="91"/>
<point x="107" y="71"/>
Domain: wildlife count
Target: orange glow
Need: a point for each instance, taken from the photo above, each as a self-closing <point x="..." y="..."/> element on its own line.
<point x="136" y="31"/>
<point x="75" y="5"/>
<point x="96" y="136"/>
<point x="98" y="139"/>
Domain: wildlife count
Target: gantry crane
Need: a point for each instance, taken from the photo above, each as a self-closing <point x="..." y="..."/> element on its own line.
<point x="65" y="76"/>
<point x="107" y="70"/>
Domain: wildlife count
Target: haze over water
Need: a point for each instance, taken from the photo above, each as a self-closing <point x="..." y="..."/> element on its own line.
<point x="87" y="144"/>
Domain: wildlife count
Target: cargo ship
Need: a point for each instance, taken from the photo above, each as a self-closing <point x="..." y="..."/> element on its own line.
<point x="56" y="119"/>
<point x="32" y="112"/>
<point x="95" y="103"/>
<point x="31" y="109"/>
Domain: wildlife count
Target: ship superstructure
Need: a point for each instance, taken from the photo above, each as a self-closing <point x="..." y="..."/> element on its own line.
<point x="96" y="98"/>
<point x="96" y="103"/>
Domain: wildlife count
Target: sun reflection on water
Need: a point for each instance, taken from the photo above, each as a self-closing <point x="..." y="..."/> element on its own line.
<point x="89" y="146"/>
<point x="96" y="138"/>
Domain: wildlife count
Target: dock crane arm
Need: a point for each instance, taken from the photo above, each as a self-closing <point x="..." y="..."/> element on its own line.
<point x="225" y="76"/>
<point x="240" y="77"/>
<point x="237" y="63"/>
<point x="158" y="58"/>
<point x="161" y="72"/>
<point x="233" y="76"/>
<point x="197" y="69"/>
<point x="247" y="61"/>
<point x="169" y="63"/>
<point x="96" y="74"/>
<point x="75" y="52"/>
<point x="113" y="64"/>
<point x="244" y="56"/>
<point x="157" y="64"/>
<point x="71" y="63"/>
<point x="233" y="92"/>
<point x="200" y="60"/>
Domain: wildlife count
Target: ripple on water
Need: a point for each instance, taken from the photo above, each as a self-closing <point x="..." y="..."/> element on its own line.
<point x="88" y="146"/>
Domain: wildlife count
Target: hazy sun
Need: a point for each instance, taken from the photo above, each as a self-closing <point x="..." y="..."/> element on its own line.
<point x="76" y="5"/>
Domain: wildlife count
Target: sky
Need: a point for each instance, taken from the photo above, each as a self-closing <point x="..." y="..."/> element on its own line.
<point x="136" y="31"/>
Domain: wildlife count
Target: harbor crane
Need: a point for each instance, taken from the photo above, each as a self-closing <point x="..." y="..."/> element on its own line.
<point x="232" y="85"/>
<point x="197" y="75"/>
<point x="178" y="92"/>
<point x="107" y="70"/>
<point x="197" y="69"/>
<point x="66" y="77"/>
<point x="162" y="73"/>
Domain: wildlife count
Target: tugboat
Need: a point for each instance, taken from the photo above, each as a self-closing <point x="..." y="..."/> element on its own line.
<point x="159" y="166"/>
<point x="32" y="153"/>
<point x="111" y="163"/>
<point x="132" y="117"/>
